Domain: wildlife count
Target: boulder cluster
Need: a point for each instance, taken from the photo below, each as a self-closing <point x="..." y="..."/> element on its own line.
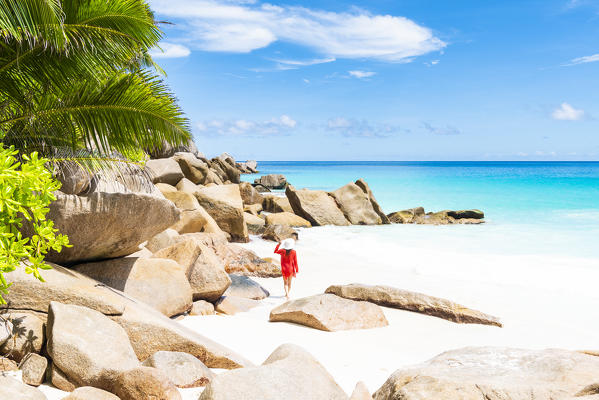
<point x="103" y="324"/>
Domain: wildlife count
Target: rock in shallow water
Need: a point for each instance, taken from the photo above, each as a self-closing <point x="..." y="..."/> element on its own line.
<point x="412" y="301"/>
<point x="316" y="206"/>
<point x="289" y="373"/>
<point x="272" y="181"/>
<point x="494" y="373"/>
<point x="356" y="205"/>
<point x="328" y="312"/>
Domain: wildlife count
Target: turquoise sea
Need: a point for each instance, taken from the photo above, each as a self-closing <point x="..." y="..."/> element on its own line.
<point x="530" y="207"/>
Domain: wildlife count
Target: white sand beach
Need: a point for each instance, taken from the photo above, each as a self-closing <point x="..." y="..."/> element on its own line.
<point x="543" y="301"/>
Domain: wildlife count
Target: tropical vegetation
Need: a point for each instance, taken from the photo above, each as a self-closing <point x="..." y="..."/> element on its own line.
<point x="77" y="84"/>
<point x="77" y="74"/>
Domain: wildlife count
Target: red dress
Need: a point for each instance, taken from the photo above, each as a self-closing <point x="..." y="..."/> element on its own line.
<point x="288" y="262"/>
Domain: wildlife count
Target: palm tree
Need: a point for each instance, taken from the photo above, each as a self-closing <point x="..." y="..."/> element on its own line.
<point x="76" y="75"/>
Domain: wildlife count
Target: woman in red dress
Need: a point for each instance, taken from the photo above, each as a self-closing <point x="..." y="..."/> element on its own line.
<point x="288" y="261"/>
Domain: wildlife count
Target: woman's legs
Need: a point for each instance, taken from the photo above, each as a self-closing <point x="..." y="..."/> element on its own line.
<point x="289" y="285"/>
<point x="286" y="287"/>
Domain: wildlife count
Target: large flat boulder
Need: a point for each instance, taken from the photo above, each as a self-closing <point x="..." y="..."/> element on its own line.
<point x="149" y="330"/>
<point x="243" y="286"/>
<point x="87" y="346"/>
<point x="289" y="373"/>
<point x="315" y="206"/>
<point x="494" y="373"/>
<point x="287" y="219"/>
<point x="413" y="301"/>
<point x="375" y="205"/>
<point x="107" y="225"/>
<point x="224" y="204"/>
<point x="11" y="388"/>
<point x="165" y="170"/>
<point x="356" y="206"/>
<point x="158" y="282"/>
<point x="329" y="312"/>
<point x="183" y="369"/>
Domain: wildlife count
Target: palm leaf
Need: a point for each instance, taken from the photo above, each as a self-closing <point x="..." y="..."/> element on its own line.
<point x="129" y="111"/>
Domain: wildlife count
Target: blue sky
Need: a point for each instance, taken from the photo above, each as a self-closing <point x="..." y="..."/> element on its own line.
<point x="386" y="79"/>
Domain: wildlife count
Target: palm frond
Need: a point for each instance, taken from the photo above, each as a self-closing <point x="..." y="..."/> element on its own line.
<point x="32" y="21"/>
<point x="129" y="111"/>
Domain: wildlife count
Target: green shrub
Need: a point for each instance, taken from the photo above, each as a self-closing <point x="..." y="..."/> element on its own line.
<point x="25" y="192"/>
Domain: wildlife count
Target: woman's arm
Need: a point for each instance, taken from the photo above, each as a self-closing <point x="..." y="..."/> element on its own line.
<point x="295" y="262"/>
<point x="277" y="251"/>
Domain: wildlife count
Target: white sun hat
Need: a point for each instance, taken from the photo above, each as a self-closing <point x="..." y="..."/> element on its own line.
<point x="288" y="244"/>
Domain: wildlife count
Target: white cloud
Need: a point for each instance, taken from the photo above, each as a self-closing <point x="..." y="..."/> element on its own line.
<point x="362" y="128"/>
<point x="217" y="25"/>
<point x="274" y="126"/>
<point x="448" y="130"/>
<point x="170" y="50"/>
<point x="304" y="63"/>
<point x="583" y="60"/>
<point x="566" y="112"/>
<point x="361" y="74"/>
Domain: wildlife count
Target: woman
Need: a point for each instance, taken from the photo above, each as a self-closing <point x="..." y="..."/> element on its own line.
<point x="288" y="261"/>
